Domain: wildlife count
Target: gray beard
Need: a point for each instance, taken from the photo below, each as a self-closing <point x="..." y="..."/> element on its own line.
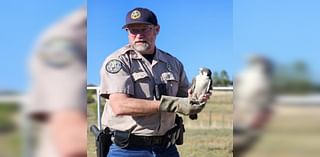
<point x="142" y="48"/>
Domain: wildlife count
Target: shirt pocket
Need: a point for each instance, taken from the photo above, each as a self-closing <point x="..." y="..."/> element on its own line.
<point x="142" y="85"/>
<point x="172" y="83"/>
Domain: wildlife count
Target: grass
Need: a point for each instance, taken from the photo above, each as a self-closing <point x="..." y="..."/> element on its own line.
<point x="10" y="135"/>
<point x="207" y="143"/>
<point x="209" y="136"/>
<point x="294" y="131"/>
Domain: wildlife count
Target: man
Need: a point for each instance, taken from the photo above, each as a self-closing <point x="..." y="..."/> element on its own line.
<point x="58" y="90"/>
<point x="145" y="86"/>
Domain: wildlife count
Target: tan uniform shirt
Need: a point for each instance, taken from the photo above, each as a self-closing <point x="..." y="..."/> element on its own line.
<point x="58" y="75"/>
<point x="127" y="71"/>
<point x="58" y="67"/>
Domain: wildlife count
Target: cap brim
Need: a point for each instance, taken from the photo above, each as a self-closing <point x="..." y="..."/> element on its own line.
<point x="136" y="22"/>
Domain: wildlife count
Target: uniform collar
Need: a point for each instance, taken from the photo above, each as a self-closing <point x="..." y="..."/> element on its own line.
<point x="159" y="56"/>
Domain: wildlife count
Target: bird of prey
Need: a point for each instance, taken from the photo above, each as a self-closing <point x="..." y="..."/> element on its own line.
<point x="201" y="85"/>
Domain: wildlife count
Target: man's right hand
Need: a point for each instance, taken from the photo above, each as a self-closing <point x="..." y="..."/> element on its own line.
<point x="180" y="105"/>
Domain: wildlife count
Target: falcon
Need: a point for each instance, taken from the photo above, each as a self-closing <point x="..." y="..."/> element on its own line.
<point x="201" y="85"/>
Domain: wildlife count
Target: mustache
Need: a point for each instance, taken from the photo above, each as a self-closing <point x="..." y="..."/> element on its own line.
<point x="141" y="41"/>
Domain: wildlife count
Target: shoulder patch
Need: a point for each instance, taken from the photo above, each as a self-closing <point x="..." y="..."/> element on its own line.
<point x="58" y="52"/>
<point x="113" y="66"/>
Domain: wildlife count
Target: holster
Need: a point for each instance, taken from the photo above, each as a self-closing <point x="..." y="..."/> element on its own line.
<point x="121" y="138"/>
<point x="175" y="135"/>
<point x="181" y="130"/>
<point x="103" y="140"/>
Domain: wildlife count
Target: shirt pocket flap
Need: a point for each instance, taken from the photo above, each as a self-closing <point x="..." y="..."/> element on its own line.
<point x="168" y="76"/>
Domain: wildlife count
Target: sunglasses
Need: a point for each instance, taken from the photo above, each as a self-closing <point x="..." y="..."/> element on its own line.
<point x="142" y="30"/>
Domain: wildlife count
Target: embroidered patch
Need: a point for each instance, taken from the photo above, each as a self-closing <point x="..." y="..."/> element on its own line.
<point x="135" y="14"/>
<point x="58" y="52"/>
<point x="113" y="66"/>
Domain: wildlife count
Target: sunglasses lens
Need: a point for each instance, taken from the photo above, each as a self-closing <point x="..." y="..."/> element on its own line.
<point x="136" y="31"/>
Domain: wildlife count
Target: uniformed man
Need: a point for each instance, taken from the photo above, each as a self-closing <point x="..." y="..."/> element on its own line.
<point x="146" y="87"/>
<point x="58" y="88"/>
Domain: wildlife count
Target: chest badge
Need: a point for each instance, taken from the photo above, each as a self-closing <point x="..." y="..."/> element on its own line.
<point x="169" y="67"/>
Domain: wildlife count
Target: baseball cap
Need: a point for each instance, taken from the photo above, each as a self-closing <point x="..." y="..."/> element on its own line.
<point x="141" y="15"/>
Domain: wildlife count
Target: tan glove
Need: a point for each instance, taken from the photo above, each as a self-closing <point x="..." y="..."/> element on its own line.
<point x="180" y="105"/>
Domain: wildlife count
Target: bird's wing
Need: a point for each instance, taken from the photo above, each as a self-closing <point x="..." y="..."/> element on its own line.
<point x="210" y="84"/>
<point x="193" y="84"/>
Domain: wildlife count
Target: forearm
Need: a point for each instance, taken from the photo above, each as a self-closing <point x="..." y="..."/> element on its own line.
<point x="123" y="105"/>
<point x="68" y="130"/>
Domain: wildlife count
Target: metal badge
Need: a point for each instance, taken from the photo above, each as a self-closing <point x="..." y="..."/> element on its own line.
<point x="169" y="67"/>
<point x="135" y="14"/>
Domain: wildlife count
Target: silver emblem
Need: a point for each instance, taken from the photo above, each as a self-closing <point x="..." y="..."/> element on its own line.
<point x="113" y="66"/>
<point x="169" y="67"/>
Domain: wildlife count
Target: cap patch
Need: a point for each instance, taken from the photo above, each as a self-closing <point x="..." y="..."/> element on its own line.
<point x="135" y="14"/>
<point x="113" y="66"/>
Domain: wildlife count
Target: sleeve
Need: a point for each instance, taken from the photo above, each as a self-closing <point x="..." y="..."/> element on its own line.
<point x="183" y="84"/>
<point x="57" y="83"/>
<point x="115" y="77"/>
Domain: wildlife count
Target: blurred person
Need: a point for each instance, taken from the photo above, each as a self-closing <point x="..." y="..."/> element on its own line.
<point x="58" y="89"/>
<point x="146" y="88"/>
<point x="252" y="102"/>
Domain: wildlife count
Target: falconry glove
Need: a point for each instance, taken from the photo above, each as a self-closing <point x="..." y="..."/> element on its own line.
<point x="180" y="105"/>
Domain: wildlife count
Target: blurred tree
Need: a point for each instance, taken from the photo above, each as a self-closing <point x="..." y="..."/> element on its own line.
<point x="224" y="78"/>
<point x="216" y="79"/>
<point x="90" y="96"/>
<point x="221" y="80"/>
<point x="293" y="78"/>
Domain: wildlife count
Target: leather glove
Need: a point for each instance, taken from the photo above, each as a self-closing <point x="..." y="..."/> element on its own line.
<point x="184" y="106"/>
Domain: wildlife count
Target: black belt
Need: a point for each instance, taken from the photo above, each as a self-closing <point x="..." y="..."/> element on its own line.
<point x="135" y="140"/>
<point x="124" y="138"/>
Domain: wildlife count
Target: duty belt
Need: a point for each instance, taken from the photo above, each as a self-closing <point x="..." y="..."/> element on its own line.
<point x="135" y="140"/>
<point x="173" y="136"/>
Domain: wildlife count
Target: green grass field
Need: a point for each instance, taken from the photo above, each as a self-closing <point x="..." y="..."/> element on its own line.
<point x="10" y="135"/>
<point x="294" y="131"/>
<point x="209" y="136"/>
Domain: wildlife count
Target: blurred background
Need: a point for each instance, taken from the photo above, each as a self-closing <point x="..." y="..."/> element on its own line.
<point x="286" y="33"/>
<point x="23" y="24"/>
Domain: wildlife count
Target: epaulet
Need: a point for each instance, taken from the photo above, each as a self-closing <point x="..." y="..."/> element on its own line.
<point x="124" y="49"/>
<point x="165" y="53"/>
<point x="121" y="51"/>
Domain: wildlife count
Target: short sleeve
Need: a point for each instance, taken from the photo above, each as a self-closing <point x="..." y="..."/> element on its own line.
<point x="115" y="77"/>
<point x="58" y="78"/>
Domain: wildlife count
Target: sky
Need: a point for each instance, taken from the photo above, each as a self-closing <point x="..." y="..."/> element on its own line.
<point x="198" y="33"/>
<point x="283" y="30"/>
<point x="22" y="22"/>
<point x="217" y="34"/>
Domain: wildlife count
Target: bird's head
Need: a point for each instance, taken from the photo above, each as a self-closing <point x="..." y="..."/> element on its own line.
<point x="205" y="71"/>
